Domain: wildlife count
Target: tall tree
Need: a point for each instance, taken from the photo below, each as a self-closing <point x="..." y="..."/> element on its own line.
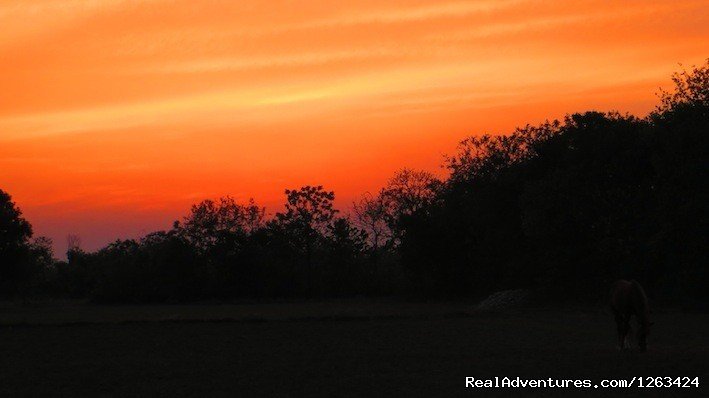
<point x="370" y="215"/>
<point x="406" y="193"/>
<point x="211" y="223"/>
<point x="15" y="233"/>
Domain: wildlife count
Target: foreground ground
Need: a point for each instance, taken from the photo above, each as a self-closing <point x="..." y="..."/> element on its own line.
<point x="346" y="348"/>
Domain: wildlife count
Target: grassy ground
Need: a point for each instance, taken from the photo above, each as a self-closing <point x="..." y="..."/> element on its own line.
<point x="346" y="348"/>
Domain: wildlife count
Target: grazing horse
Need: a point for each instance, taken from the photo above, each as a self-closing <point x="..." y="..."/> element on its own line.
<point x="627" y="299"/>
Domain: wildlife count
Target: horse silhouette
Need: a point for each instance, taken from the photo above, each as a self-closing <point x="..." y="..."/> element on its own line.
<point x="628" y="299"/>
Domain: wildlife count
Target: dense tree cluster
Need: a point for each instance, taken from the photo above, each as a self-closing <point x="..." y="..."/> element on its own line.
<point x="223" y="249"/>
<point x="564" y="208"/>
<point x="570" y="206"/>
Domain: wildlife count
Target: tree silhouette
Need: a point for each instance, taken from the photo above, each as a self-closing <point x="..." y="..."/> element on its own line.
<point x="691" y="88"/>
<point x="562" y="208"/>
<point x="406" y="193"/>
<point x="212" y="223"/>
<point x="309" y="209"/>
<point x="15" y="233"/>
<point x="370" y="214"/>
<point x="568" y="206"/>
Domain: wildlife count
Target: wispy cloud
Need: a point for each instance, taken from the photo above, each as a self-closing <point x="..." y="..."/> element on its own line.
<point x="412" y="14"/>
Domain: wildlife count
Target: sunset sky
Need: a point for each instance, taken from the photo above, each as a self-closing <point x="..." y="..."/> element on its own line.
<point x="116" y="115"/>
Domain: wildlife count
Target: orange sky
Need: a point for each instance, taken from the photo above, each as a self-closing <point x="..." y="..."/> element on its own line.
<point x="116" y="115"/>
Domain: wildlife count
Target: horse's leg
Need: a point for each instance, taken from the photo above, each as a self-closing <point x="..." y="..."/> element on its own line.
<point x="626" y="331"/>
<point x="629" y="334"/>
<point x="623" y="326"/>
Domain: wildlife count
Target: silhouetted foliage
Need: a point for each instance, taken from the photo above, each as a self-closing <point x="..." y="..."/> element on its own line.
<point x="211" y="224"/>
<point x="23" y="261"/>
<point x="570" y="206"/>
<point x="564" y="208"/>
<point x="406" y="194"/>
<point x="370" y="214"/>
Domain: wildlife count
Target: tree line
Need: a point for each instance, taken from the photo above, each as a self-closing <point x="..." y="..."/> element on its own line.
<point x="563" y="208"/>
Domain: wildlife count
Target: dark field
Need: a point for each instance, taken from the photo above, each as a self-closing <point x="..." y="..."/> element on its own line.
<point x="330" y="349"/>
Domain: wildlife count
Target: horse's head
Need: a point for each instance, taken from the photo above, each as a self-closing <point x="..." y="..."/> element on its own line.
<point x="643" y="332"/>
